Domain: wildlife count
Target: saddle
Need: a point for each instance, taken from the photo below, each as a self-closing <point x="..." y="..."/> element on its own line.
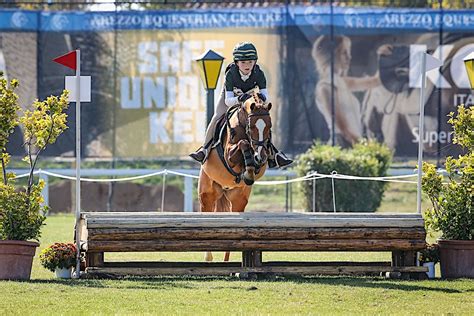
<point x="218" y="139"/>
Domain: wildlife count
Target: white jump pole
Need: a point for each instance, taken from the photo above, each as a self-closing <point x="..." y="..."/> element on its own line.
<point x="421" y="130"/>
<point x="78" y="161"/>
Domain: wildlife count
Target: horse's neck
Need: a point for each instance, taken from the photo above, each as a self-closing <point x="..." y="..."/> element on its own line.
<point x="238" y="119"/>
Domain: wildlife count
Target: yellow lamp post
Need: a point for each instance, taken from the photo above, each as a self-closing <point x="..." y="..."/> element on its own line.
<point x="469" y="64"/>
<point x="210" y="64"/>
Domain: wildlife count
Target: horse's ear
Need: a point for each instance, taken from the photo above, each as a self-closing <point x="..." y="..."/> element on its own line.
<point x="269" y="106"/>
<point x="252" y="106"/>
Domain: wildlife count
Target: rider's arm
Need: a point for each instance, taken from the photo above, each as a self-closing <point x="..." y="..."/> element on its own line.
<point x="262" y="85"/>
<point x="230" y="99"/>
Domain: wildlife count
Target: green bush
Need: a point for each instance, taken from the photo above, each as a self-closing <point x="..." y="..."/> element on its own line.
<point x="22" y="213"/>
<point x="367" y="158"/>
<point x="453" y="203"/>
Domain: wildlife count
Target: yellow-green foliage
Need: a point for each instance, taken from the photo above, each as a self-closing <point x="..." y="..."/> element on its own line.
<point x="46" y="122"/>
<point x="453" y="203"/>
<point x="21" y="212"/>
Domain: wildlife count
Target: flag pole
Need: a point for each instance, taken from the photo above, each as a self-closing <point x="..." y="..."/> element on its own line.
<point x="78" y="161"/>
<point x="421" y="130"/>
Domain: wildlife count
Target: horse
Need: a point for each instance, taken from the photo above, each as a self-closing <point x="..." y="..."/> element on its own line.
<point x="225" y="179"/>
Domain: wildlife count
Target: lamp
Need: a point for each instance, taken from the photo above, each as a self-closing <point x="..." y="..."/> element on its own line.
<point x="469" y="64"/>
<point x="210" y="64"/>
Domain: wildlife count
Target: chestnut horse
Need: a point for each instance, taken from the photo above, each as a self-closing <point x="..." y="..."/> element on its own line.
<point x="245" y="147"/>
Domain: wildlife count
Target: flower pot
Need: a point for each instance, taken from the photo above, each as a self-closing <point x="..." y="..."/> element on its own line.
<point x="63" y="273"/>
<point x="456" y="258"/>
<point x="431" y="269"/>
<point x="16" y="259"/>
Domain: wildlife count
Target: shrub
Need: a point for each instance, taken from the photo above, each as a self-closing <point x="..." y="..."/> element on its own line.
<point x="367" y="158"/>
<point x="430" y="254"/>
<point x="59" y="255"/>
<point x="453" y="203"/>
<point x="21" y="209"/>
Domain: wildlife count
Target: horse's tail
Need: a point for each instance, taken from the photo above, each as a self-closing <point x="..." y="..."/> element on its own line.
<point x="222" y="205"/>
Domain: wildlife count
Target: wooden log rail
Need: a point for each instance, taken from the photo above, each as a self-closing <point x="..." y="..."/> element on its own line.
<point x="250" y="233"/>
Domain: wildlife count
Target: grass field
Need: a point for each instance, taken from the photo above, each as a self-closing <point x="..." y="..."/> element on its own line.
<point x="46" y="295"/>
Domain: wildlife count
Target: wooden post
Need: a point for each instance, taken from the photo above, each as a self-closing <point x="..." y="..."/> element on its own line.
<point x="251" y="258"/>
<point x="94" y="259"/>
<point x="403" y="258"/>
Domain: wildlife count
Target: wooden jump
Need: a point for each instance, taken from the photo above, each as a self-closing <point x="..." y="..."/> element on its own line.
<point x="250" y="233"/>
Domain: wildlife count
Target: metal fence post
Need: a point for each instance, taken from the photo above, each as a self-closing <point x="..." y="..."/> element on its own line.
<point x="188" y="194"/>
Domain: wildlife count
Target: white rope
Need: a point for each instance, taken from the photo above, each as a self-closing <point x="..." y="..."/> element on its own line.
<point x="27" y="174"/>
<point x="309" y="177"/>
<point x="105" y="180"/>
<point x="183" y="174"/>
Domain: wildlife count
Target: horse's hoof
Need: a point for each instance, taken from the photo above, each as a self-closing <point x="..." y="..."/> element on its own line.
<point x="248" y="181"/>
<point x="208" y="257"/>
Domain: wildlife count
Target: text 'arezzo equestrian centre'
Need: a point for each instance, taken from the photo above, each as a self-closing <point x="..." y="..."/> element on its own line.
<point x="148" y="100"/>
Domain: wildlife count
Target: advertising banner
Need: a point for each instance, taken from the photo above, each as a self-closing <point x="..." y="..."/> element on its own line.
<point x="334" y="74"/>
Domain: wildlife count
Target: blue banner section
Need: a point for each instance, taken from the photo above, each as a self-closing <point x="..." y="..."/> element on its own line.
<point x="345" y="20"/>
<point x="19" y="20"/>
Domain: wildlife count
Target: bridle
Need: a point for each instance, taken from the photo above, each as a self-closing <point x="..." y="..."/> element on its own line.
<point x="265" y="142"/>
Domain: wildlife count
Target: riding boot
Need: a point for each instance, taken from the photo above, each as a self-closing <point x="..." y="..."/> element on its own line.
<point x="277" y="158"/>
<point x="199" y="155"/>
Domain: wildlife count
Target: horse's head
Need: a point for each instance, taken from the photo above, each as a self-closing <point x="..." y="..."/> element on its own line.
<point x="258" y="127"/>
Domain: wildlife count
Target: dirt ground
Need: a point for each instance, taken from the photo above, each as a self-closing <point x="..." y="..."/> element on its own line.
<point x="126" y="197"/>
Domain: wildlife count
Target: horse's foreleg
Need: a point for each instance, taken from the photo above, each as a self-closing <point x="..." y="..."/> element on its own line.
<point x="238" y="198"/>
<point x="249" y="162"/>
<point x="208" y="195"/>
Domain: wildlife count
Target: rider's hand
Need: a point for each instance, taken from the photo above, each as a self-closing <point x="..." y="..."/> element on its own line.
<point x="238" y="92"/>
<point x="262" y="97"/>
<point x="243" y="97"/>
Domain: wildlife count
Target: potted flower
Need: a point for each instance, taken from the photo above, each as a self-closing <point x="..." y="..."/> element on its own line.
<point x="59" y="258"/>
<point x="429" y="257"/>
<point x="22" y="213"/>
<point x="453" y="208"/>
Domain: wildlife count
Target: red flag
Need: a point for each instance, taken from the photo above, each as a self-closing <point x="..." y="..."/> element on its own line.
<point x="68" y="60"/>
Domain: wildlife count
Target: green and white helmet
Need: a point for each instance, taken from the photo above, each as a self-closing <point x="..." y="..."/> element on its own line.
<point x="245" y="51"/>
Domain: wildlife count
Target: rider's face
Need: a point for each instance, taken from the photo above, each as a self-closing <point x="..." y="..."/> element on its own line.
<point x="246" y="66"/>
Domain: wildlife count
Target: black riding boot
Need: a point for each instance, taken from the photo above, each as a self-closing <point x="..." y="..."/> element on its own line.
<point x="278" y="159"/>
<point x="199" y="155"/>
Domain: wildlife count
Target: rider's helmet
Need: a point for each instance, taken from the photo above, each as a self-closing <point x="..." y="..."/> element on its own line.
<point x="244" y="51"/>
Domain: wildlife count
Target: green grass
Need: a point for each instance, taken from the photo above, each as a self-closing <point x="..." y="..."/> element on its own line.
<point x="190" y="296"/>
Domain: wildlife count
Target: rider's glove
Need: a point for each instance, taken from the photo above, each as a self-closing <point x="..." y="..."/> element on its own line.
<point x="243" y="97"/>
<point x="262" y="97"/>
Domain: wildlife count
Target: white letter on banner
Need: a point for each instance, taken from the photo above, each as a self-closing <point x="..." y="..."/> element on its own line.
<point x="171" y="92"/>
<point x="147" y="57"/>
<point x="188" y="92"/>
<point x="189" y="54"/>
<point x="158" y="127"/>
<point x="130" y="99"/>
<point x="169" y="57"/>
<point x="153" y="92"/>
<point x="458" y="70"/>
<point x="183" y="127"/>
